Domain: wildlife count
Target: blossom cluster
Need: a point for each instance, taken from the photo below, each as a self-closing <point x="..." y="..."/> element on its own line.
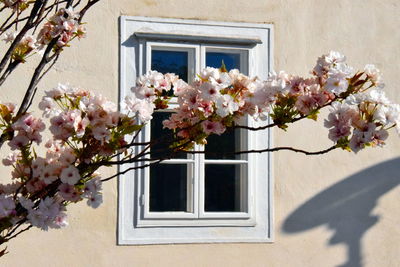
<point x="150" y="93"/>
<point x="63" y="26"/>
<point x="218" y="99"/>
<point x="86" y="129"/>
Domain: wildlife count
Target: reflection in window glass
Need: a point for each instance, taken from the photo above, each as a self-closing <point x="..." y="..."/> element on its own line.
<point x="162" y="136"/>
<point x="222" y="188"/>
<point x="168" y="187"/>
<point x="215" y="59"/>
<point x="170" y="62"/>
<point x="229" y="141"/>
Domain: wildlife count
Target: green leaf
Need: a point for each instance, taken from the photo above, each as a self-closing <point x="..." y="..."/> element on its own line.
<point x="223" y="67"/>
<point x="343" y="143"/>
<point x="313" y="115"/>
<point x="131" y="128"/>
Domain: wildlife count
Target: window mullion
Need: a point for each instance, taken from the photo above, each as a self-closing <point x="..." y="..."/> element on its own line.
<point x="198" y="60"/>
<point x="200" y="180"/>
<point x="202" y="56"/>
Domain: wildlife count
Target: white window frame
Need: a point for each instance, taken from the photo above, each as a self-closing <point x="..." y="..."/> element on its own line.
<point x="135" y="224"/>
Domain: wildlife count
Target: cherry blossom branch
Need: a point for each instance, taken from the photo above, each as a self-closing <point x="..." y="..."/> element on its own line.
<point x="271" y="125"/>
<point x="37" y="12"/>
<point x="169" y="156"/>
<point x="29" y="24"/>
<point x="156" y="161"/>
<point x="305" y="152"/>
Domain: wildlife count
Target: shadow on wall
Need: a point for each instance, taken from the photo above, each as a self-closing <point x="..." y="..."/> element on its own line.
<point x="346" y="207"/>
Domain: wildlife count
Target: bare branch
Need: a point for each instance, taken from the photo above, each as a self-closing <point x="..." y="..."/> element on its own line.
<point x="292" y="121"/>
<point x="86" y="8"/>
<point x="274" y="149"/>
<point x="15" y="22"/>
<point x="5" y="22"/>
<point x="35" y="78"/>
<point x="55" y="59"/>
<point x="130" y="169"/>
<point x="15" y="228"/>
<point x="77" y="3"/>
<point x="267" y="126"/>
<point x="156" y="161"/>
<point x="32" y="97"/>
<point x="20" y="232"/>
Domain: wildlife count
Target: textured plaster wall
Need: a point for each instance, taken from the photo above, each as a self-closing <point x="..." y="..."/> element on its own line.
<point x="331" y="210"/>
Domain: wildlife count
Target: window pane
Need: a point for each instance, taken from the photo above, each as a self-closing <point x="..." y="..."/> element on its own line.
<point x="223" y="188"/>
<point x="162" y="137"/>
<point x="170" y="62"/>
<point x="226" y="142"/>
<point x="168" y="187"/>
<point x="231" y="60"/>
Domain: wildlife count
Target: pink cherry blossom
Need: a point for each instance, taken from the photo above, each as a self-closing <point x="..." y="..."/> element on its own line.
<point x="7" y="206"/>
<point x="69" y="193"/>
<point x="70" y="175"/>
<point x="210" y="127"/>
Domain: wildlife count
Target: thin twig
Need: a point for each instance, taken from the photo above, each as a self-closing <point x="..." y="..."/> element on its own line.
<point x="130" y="169"/>
<point x="77" y="4"/>
<point x="15" y="227"/>
<point x="225" y="153"/>
<point x="86" y="8"/>
<point x="292" y="121"/>
<point x="20" y="232"/>
<point x="40" y="17"/>
<point x="32" y="97"/>
<point x="15" y="22"/>
<point x="10" y="68"/>
<point x="5" y="22"/>
<point x="55" y="57"/>
<point x="274" y="149"/>
<point x="267" y="126"/>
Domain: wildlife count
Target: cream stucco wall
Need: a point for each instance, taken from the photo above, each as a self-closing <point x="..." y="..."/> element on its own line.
<point x="352" y="214"/>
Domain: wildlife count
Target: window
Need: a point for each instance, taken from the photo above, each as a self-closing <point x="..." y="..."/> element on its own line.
<point x="196" y="198"/>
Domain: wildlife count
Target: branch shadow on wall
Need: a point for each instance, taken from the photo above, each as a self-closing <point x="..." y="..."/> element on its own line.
<point x="346" y="208"/>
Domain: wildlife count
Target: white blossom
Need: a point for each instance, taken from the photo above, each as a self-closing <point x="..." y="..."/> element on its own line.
<point x="70" y="175"/>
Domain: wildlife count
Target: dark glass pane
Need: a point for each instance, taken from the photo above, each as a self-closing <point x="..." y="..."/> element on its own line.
<point x="222" y="187"/>
<point x="221" y="144"/>
<point x="162" y="138"/>
<point x="168" y="187"/>
<point x="170" y="62"/>
<point x="231" y="60"/>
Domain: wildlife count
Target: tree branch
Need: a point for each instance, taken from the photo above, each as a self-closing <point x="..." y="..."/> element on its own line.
<point x="29" y="24"/>
<point x="156" y="161"/>
<point x="20" y="232"/>
<point x="86" y="8"/>
<point x="35" y="78"/>
<point x="274" y="149"/>
<point x="130" y="169"/>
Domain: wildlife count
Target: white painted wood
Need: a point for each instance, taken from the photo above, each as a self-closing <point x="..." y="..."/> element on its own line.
<point x="195" y="38"/>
